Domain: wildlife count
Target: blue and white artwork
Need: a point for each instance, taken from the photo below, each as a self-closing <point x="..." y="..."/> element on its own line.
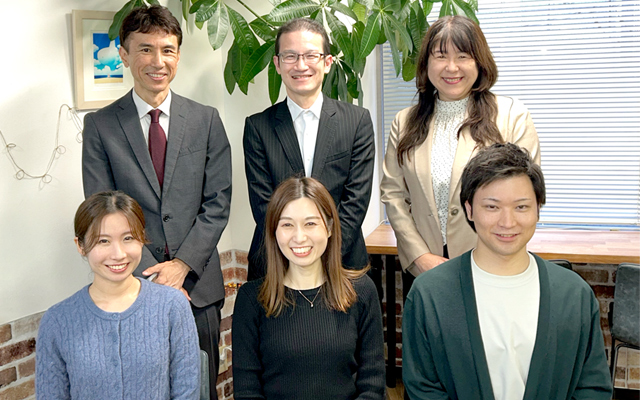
<point x="107" y="65"/>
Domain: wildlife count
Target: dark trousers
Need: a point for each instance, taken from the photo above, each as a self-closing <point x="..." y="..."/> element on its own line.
<point x="208" y="326"/>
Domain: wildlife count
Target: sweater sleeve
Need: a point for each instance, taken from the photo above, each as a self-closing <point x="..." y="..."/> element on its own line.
<point x="52" y="379"/>
<point x="184" y="367"/>
<point x="594" y="382"/>
<point x="418" y="370"/>
<point x="245" y="331"/>
<point x="370" y="383"/>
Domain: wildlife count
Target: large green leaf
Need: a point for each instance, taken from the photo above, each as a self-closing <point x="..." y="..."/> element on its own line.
<point x="200" y="3"/>
<point x="341" y="8"/>
<point x="205" y="12"/>
<point x="245" y="38"/>
<point x="328" y="87"/>
<point x="275" y="82"/>
<point x="291" y="9"/>
<point x="262" y="29"/>
<point x="391" y="6"/>
<point x="360" y="11"/>
<point x="414" y="28"/>
<point x="114" y="29"/>
<point x="408" y="69"/>
<point x="395" y="53"/>
<point x="370" y="35"/>
<point x="446" y="8"/>
<point x="238" y="60"/>
<point x="340" y="35"/>
<point x="394" y="24"/>
<point x="427" y="6"/>
<point x="257" y="62"/>
<point x="154" y="2"/>
<point x="218" y="26"/>
<point x="474" y="4"/>
<point x="352" y="86"/>
<point x="229" y="79"/>
<point x="368" y="4"/>
<point x="467" y="9"/>
<point x="343" y="92"/>
<point x="186" y="4"/>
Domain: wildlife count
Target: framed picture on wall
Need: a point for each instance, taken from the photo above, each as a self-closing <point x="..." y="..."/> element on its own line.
<point x="99" y="75"/>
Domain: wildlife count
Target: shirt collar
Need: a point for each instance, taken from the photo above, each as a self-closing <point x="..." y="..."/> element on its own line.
<point x="316" y="107"/>
<point x="144" y="107"/>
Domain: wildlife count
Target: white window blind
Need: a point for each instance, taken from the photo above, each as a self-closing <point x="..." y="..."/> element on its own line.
<point x="576" y="65"/>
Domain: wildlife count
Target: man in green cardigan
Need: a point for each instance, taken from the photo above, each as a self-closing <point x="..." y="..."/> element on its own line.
<point x="498" y="322"/>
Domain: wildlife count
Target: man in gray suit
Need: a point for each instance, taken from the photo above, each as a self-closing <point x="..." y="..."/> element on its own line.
<point x="172" y="155"/>
<point x="313" y="135"/>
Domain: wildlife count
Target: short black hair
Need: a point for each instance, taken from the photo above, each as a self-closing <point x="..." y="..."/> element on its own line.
<point x="304" y="24"/>
<point x="150" y="19"/>
<point x="500" y="161"/>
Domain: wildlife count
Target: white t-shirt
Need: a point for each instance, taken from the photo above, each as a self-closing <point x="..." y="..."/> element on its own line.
<point x="508" y="309"/>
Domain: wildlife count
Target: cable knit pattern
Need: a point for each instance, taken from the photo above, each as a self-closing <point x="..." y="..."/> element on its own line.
<point x="150" y="351"/>
<point x="449" y="116"/>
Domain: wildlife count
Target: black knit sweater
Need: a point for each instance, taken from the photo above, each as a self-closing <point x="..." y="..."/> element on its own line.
<point x="308" y="353"/>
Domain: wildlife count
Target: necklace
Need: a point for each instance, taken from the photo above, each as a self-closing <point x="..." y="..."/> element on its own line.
<point x="314" y="298"/>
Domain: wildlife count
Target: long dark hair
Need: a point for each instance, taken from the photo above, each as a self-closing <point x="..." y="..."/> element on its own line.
<point x="338" y="292"/>
<point x="482" y="108"/>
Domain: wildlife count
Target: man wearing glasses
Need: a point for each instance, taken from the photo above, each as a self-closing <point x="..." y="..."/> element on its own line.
<point x="313" y="135"/>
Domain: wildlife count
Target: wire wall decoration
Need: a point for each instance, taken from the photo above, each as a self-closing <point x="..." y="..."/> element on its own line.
<point x="57" y="152"/>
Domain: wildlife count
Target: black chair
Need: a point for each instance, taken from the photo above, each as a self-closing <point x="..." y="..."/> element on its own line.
<point x="624" y="317"/>
<point x="204" y="376"/>
<point x="563" y="263"/>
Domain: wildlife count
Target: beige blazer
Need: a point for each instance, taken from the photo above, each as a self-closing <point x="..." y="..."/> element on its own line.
<point x="407" y="190"/>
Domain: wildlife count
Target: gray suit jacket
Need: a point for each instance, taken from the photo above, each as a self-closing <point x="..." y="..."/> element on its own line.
<point x="343" y="162"/>
<point x="192" y="210"/>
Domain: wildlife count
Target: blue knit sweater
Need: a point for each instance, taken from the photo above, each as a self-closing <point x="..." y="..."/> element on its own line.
<point x="150" y="351"/>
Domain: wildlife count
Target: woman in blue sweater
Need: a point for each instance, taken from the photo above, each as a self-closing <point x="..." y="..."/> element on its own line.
<point x="310" y="329"/>
<point x="119" y="337"/>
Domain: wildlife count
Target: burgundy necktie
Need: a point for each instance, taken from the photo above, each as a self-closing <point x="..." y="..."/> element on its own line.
<point x="157" y="144"/>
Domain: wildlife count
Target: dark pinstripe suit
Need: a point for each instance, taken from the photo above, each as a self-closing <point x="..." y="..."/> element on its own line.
<point x="343" y="162"/>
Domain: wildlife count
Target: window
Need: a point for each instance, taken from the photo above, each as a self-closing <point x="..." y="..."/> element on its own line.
<point x="576" y="65"/>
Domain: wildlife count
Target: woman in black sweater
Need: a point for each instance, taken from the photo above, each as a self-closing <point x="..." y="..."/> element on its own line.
<point x="310" y="329"/>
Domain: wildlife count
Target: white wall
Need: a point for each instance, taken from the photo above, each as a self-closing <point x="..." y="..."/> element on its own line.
<point x="39" y="264"/>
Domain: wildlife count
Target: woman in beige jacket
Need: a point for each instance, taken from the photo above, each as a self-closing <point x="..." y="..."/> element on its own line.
<point x="431" y="142"/>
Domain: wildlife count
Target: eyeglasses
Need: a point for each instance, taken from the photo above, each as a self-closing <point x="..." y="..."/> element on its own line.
<point x="292" y="58"/>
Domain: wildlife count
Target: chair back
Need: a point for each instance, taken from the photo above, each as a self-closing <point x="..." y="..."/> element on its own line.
<point x="204" y="376"/>
<point x="626" y="310"/>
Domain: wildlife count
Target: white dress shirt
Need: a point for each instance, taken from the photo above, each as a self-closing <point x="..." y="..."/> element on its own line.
<point x="305" y="122"/>
<point x="145" y="119"/>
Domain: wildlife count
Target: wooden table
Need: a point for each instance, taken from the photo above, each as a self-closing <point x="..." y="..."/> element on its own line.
<point x="577" y="246"/>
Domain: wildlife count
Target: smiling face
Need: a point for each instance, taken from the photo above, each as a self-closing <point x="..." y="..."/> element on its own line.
<point x="302" y="234"/>
<point x="153" y="59"/>
<point x="452" y="72"/>
<point x="303" y="81"/>
<point x="505" y="214"/>
<point x="116" y="253"/>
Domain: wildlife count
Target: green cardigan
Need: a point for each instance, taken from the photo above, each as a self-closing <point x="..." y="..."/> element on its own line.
<point x="442" y="352"/>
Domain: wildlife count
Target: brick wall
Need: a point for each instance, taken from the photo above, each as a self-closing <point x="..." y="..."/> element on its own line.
<point x="18" y="340"/>
<point x="601" y="277"/>
<point x="18" y="358"/>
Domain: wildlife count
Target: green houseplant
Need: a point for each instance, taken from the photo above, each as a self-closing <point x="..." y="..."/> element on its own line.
<point x="402" y="23"/>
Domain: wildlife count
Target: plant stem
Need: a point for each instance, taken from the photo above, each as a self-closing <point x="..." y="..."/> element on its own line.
<point x="254" y="13"/>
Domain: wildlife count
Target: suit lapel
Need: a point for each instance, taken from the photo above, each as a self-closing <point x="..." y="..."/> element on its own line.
<point x="541" y="358"/>
<point x="287" y="136"/>
<point x="422" y="169"/>
<point x="473" y="325"/>
<point x="326" y="130"/>
<point x="465" y="150"/>
<point x="177" y="128"/>
<point x="130" y="123"/>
